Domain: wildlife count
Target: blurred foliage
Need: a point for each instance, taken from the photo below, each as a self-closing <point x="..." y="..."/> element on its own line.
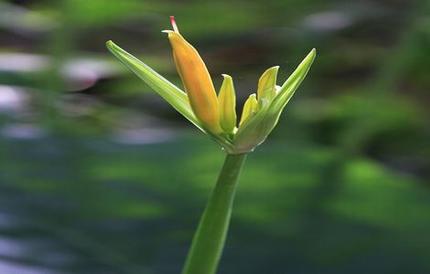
<point x="98" y="175"/>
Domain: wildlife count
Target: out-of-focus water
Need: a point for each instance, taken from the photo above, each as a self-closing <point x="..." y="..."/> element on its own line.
<point x="88" y="205"/>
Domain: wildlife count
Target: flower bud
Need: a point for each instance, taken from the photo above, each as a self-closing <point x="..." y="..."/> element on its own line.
<point x="254" y="130"/>
<point x="227" y="105"/>
<point x="197" y="81"/>
<point x="267" y="85"/>
<point x="249" y="108"/>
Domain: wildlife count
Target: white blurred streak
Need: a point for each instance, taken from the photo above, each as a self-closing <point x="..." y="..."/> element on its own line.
<point x="22" y="62"/>
<point x="17" y="249"/>
<point x="78" y="73"/>
<point x="327" y="21"/>
<point x="143" y="136"/>
<point x="21" y="20"/>
<point x="12" y="99"/>
<point x="11" y="248"/>
<point x="22" y="131"/>
<point x="84" y="73"/>
<point x="14" y="268"/>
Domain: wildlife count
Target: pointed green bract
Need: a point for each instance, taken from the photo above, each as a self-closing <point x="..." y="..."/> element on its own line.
<point x="293" y="82"/>
<point x="171" y="93"/>
<point x="266" y="85"/>
<point x="227" y="103"/>
<point x="249" y="108"/>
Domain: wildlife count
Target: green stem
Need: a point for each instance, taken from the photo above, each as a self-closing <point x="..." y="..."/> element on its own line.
<point x="208" y="242"/>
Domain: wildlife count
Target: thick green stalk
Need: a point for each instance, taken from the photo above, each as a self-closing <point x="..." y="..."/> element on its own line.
<point x="208" y="242"/>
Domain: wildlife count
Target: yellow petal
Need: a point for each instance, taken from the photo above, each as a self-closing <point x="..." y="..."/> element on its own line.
<point x="249" y="108"/>
<point x="197" y="82"/>
<point x="227" y="104"/>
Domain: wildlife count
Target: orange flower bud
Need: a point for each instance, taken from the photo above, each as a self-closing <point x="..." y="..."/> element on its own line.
<point x="197" y="81"/>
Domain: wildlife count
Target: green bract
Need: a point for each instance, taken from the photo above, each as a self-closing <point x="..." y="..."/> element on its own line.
<point x="261" y="113"/>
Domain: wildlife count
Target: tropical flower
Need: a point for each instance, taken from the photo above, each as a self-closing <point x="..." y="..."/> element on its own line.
<point x="215" y="114"/>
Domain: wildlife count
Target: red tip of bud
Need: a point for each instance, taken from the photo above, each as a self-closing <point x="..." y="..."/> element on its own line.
<point x="173" y="22"/>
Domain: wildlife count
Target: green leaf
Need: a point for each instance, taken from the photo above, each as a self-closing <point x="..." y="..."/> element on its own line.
<point x="171" y="93"/>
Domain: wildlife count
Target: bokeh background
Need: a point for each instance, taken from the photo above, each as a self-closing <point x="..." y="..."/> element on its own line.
<point x="99" y="175"/>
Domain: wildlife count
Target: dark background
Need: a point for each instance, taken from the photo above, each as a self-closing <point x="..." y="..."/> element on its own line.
<point x="99" y="175"/>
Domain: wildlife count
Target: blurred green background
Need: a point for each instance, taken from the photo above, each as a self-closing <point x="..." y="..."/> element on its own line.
<point x="99" y="175"/>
